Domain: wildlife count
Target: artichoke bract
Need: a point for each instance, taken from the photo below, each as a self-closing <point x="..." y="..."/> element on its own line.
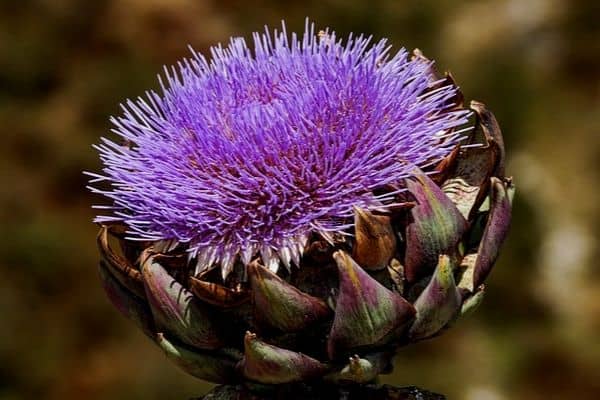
<point x="299" y="210"/>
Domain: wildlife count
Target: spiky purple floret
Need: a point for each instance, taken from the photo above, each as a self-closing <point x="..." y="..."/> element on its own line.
<point x="252" y="151"/>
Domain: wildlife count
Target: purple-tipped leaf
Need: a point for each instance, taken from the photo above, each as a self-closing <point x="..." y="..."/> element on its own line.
<point x="375" y="241"/>
<point x="282" y="306"/>
<point x="269" y="364"/>
<point x="495" y="231"/>
<point x="130" y="305"/>
<point x="176" y="310"/>
<point x="213" y="367"/>
<point x="366" y="312"/>
<point x="438" y="304"/>
<point x="435" y="228"/>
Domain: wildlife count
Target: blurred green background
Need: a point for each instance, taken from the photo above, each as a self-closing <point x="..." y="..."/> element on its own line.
<point x="64" y="67"/>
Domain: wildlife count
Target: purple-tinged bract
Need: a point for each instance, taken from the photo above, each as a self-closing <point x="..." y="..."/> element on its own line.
<point x="250" y="152"/>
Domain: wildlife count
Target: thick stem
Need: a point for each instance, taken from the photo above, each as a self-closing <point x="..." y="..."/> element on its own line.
<point x="320" y="392"/>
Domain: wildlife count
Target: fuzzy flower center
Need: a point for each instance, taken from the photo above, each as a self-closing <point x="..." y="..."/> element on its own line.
<point x="250" y="152"/>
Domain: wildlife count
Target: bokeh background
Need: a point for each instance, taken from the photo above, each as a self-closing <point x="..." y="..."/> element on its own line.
<point x="65" y="65"/>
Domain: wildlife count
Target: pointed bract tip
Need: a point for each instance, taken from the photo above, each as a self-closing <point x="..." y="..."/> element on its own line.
<point x="375" y="240"/>
<point x="471" y="303"/>
<point x="362" y="369"/>
<point x="439" y="302"/>
<point x="270" y="364"/>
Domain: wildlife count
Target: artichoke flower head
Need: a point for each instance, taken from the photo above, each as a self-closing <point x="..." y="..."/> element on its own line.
<point x="299" y="208"/>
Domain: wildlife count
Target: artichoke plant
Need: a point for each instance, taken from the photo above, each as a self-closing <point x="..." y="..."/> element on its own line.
<point x="298" y="211"/>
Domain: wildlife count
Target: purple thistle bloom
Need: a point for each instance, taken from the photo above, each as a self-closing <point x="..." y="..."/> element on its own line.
<point x="249" y="153"/>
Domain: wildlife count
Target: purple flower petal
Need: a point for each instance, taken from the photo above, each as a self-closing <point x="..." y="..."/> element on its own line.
<point x="253" y="150"/>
